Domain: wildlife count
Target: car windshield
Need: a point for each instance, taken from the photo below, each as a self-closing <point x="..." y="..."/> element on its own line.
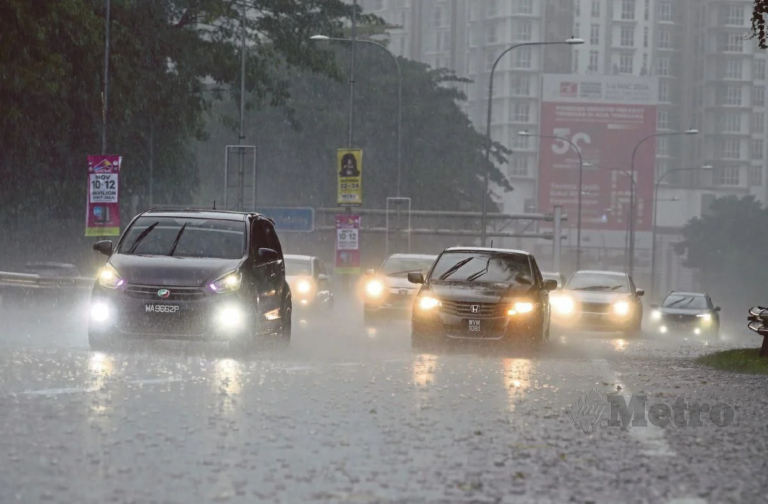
<point x="686" y="302"/>
<point x="481" y="267"/>
<point x="401" y="266"/>
<point x="598" y="282"/>
<point x="295" y="266"/>
<point x="181" y="237"/>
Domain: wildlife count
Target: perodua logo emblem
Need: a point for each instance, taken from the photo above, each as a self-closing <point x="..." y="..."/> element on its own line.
<point x="163" y="293"/>
<point x="475" y="308"/>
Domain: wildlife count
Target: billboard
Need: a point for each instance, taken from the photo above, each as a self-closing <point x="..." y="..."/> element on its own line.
<point x="605" y="116"/>
<point x="348" y="244"/>
<point x="103" y="203"/>
<point x="349" y="170"/>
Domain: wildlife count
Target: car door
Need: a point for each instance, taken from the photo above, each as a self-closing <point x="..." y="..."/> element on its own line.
<point x="259" y="276"/>
<point x="636" y="300"/>
<point x="542" y="293"/>
<point x="715" y="314"/>
<point x="276" y="267"/>
<point x="321" y="277"/>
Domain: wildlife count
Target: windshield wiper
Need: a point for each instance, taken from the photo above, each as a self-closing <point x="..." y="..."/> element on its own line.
<point x="598" y="288"/>
<point x="480" y="273"/>
<point x="453" y="269"/>
<point x="141" y="236"/>
<point x="176" y="241"/>
<point x="402" y="272"/>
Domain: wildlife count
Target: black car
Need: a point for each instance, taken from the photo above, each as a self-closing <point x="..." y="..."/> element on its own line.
<point x="481" y="294"/>
<point x="192" y="275"/>
<point x="690" y="312"/>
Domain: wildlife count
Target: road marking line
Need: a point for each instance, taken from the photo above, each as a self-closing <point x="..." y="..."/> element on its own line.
<point x="687" y="500"/>
<point x="650" y="437"/>
<point x="59" y="391"/>
<point x="153" y="381"/>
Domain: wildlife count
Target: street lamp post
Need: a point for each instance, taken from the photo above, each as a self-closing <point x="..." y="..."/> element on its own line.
<point x="581" y="174"/>
<point x="399" y="97"/>
<point x="570" y="41"/>
<point x="653" y="229"/>
<point x="631" y="258"/>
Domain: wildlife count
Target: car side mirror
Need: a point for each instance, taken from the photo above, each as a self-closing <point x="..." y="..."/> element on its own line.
<point x="103" y="247"/>
<point x="416" y="278"/>
<point x="322" y="277"/>
<point x="370" y="272"/>
<point x="268" y="254"/>
<point x="717" y="308"/>
<point x="640" y="292"/>
<point x="550" y="285"/>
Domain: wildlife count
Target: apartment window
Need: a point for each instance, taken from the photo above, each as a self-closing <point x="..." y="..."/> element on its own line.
<point x="728" y="176"/>
<point x="731" y="149"/>
<point x="734" y="42"/>
<point x="523" y="57"/>
<point x="665" y="11"/>
<point x="699" y="73"/>
<point x="492" y="34"/>
<point x="645" y="37"/>
<point x="647" y="14"/>
<point x="662" y="120"/>
<point x="759" y="69"/>
<point x="577" y="8"/>
<point x="596" y="8"/>
<point x="594" y="34"/>
<point x="377" y="5"/>
<point x="627" y="36"/>
<point x="492" y="8"/>
<point x="665" y="39"/>
<point x="438" y="17"/>
<point x="664" y="94"/>
<point x="446" y="44"/>
<point x="520" y="142"/>
<point x="730" y="95"/>
<point x="756" y="149"/>
<point x="577" y="29"/>
<point x="730" y="122"/>
<point x="755" y="175"/>
<point x="733" y="69"/>
<point x="758" y="96"/>
<point x="662" y="146"/>
<point x="735" y="15"/>
<point x="518" y="166"/>
<point x="628" y="9"/>
<point x="594" y="57"/>
<point x="521" y="85"/>
<point x="520" y="111"/>
<point x="524" y="31"/>
<point x="524" y="7"/>
<point x="490" y="59"/>
<point x="758" y="122"/>
<point x="663" y="67"/>
<point x="626" y="63"/>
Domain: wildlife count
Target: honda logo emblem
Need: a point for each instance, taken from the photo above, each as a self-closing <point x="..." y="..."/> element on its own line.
<point x="475" y="308"/>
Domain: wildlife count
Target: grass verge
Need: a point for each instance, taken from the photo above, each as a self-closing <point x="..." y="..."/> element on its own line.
<point x="743" y="360"/>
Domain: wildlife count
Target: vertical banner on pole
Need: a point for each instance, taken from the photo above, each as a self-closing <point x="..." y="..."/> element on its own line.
<point x="103" y="203"/>
<point x="348" y="244"/>
<point x="349" y="171"/>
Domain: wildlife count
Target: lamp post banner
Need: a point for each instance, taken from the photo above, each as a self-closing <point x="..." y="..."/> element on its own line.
<point x="605" y="116"/>
<point x="103" y="203"/>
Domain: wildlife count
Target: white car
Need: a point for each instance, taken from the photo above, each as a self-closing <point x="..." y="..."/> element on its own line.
<point x="309" y="282"/>
<point x="387" y="292"/>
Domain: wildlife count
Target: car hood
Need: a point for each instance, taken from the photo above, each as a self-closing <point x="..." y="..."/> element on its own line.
<point x="682" y="311"/>
<point x="478" y="292"/>
<point x="398" y="282"/>
<point x="596" y="297"/>
<point x="171" y="271"/>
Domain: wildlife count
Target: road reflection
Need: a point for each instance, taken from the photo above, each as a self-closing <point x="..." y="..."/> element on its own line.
<point x="424" y="369"/>
<point x="517" y="378"/>
<point x="619" y="344"/>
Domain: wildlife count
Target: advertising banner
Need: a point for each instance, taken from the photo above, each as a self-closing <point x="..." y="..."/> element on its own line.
<point x="349" y="169"/>
<point x="348" y="244"/>
<point x="605" y="116"/>
<point x="103" y="202"/>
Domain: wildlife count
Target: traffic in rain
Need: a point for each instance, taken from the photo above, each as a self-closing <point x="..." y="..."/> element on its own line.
<point x="396" y="251"/>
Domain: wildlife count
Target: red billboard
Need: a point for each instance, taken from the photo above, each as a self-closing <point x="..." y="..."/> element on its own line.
<point x="605" y="117"/>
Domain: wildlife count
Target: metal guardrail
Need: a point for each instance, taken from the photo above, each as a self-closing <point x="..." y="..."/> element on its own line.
<point x="35" y="281"/>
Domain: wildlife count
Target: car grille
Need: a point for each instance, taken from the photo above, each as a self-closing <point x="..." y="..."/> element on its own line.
<point x="177" y="293"/>
<point x="464" y="309"/>
<point x="680" y="319"/>
<point x="188" y="324"/>
<point x="595" y="307"/>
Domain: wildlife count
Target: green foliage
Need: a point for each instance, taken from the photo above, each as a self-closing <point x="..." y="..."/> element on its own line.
<point x="759" y="13"/>
<point x="742" y="360"/>
<point x="729" y="250"/>
<point x="443" y="155"/>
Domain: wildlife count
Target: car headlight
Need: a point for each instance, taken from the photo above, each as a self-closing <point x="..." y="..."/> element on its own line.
<point x="100" y="312"/>
<point x="520" y="307"/>
<point x="227" y="283"/>
<point x="374" y="288"/>
<point x="230" y="316"/>
<point x="304" y="286"/>
<point x="621" y="308"/>
<point x="705" y="317"/>
<point x="109" y="278"/>
<point x="655" y="315"/>
<point x="427" y="303"/>
<point x="563" y="305"/>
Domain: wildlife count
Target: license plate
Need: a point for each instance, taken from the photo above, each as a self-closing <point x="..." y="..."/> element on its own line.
<point x="403" y="292"/>
<point x="473" y="325"/>
<point x="161" y="308"/>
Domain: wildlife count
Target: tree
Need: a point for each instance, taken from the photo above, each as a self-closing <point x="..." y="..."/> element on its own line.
<point x="443" y="154"/>
<point x="729" y="251"/>
<point x="759" y="13"/>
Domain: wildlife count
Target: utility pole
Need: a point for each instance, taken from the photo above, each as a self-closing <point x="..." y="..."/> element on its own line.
<point x="241" y="169"/>
<point x="105" y="97"/>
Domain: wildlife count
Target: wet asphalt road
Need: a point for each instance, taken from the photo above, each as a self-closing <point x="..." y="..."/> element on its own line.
<point x="352" y="415"/>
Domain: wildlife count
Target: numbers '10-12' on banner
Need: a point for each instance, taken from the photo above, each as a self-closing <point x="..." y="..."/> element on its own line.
<point x="349" y="171"/>
<point x="348" y="244"/>
<point x="103" y="209"/>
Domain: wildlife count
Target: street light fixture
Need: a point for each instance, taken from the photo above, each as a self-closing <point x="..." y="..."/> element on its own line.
<point x="399" y="95"/>
<point x="653" y="230"/>
<point x="631" y="257"/>
<point x="570" y="41"/>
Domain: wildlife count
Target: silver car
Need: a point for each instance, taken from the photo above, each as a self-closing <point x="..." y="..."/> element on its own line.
<point x="387" y="293"/>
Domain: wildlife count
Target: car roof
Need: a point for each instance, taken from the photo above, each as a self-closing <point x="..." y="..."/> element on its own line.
<point x="486" y="249"/>
<point x="297" y="256"/>
<point x="413" y="256"/>
<point x="553" y="273"/>
<point x="188" y="213"/>
<point x="599" y="272"/>
<point x="692" y="294"/>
